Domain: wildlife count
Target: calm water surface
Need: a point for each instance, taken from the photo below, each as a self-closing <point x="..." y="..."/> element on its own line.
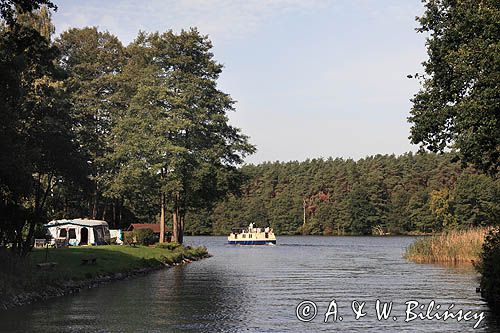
<point x="257" y="289"/>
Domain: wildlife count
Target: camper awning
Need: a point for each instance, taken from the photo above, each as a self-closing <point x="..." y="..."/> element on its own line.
<point x="79" y="222"/>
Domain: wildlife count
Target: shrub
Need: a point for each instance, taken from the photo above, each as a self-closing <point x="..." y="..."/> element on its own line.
<point x="144" y="236"/>
<point x="168" y="246"/>
<point x="489" y="267"/>
<point x="15" y="271"/>
<point x="140" y="236"/>
<point x="196" y="252"/>
<point x="128" y="237"/>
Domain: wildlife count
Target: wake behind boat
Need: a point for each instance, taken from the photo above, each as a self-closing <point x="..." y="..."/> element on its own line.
<point x="252" y="236"/>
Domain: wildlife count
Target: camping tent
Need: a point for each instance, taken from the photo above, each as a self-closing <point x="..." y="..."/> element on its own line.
<point x="79" y="231"/>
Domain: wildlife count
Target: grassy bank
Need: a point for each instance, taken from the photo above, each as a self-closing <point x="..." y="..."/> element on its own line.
<point x="450" y="247"/>
<point x="19" y="277"/>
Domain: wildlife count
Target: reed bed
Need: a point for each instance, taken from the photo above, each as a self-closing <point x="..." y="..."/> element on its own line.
<point x="457" y="246"/>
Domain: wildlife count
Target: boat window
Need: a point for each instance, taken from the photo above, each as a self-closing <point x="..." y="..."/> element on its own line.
<point x="250" y="236"/>
<point x="267" y="235"/>
<point x="244" y="236"/>
<point x="63" y="233"/>
<point x="72" y="233"/>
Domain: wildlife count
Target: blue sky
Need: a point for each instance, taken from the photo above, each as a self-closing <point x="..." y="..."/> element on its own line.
<point x="311" y="78"/>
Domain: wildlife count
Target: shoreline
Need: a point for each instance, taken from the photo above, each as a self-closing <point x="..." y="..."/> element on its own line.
<point x="71" y="287"/>
<point x="334" y="235"/>
<point x="454" y="246"/>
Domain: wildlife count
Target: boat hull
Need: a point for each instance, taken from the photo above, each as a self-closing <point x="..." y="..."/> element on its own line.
<point x="251" y="242"/>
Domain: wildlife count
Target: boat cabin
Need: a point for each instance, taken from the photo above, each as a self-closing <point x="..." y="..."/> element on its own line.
<point x="252" y="236"/>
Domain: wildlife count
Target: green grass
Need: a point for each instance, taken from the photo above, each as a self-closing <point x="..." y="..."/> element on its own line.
<point x="25" y="276"/>
<point x="451" y="247"/>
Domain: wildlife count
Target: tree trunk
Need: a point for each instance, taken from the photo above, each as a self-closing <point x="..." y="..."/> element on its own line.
<point x="115" y="223"/>
<point x="120" y="211"/>
<point x="30" y="239"/>
<point x="95" y="205"/>
<point x="304" y="206"/>
<point x="36" y="217"/>
<point x="177" y="222"/>
<point x="105" y="210"/>
<point x="162" y="219"/>
<point x="175" y="225"/>
<point x="180" y="230"/>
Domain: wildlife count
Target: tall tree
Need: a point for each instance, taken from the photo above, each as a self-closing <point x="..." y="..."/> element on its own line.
<point x="458" y="106"/>
<point x="176" y="129"/>
<point x="93" y="59"/>
<point x="40" y="20"/>
<point x="37" y="144"/>
<point x="9" y="9"/>
<point x="477" y="200"/>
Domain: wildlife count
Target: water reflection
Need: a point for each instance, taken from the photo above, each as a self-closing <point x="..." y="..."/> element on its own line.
<point x="256" y="289"/>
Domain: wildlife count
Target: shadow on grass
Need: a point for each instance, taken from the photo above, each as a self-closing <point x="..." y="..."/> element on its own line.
<point x="24" y="275"/>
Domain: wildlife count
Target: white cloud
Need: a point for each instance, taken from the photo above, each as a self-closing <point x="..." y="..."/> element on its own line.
<point x="323" y="77"/>
<point x="221" y="19"/>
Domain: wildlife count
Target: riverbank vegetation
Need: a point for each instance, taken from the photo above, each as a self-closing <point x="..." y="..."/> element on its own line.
<point x="489" y="267"/>
<point x="456" y="246"/>
<point x="73" y="267"/>
<point x="457" y="107"/>
<point x="480" y="246"/>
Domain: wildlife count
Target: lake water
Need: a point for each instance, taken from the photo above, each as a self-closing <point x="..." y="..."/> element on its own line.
<point x="257" y="289"/>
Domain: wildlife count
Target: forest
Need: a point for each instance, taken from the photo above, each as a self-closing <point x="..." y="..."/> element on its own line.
<point x="383" y="194"/>
<point x="94" y="128"/>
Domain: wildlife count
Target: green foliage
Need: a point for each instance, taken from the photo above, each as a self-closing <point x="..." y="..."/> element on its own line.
<point x="144" y="236"/>
<point x="173" y="140"/>
<point x="39" y="20"/>
<point x="458" y="108"/>
<point x="109" y="132"/>
<point x="420" y="193"/>
<point x="38" y="148"/>
<point x="168" y="246"/>
<point x="93" y="59"/>
<point x="489" y="267"/>
<point x="476" y="201"/>
<point x="440" y="202"/>
<point x="10" y="9"/>
<point x="363" y="212"/>
<point x="139" y="236"/>
<point x="458" y="105"/>
<point x="128" y="237"/>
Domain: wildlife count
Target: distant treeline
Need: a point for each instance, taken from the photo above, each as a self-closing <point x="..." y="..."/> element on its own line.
<point x="419" y="193"/>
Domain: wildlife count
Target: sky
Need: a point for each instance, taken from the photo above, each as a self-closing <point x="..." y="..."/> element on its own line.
<point x="312" y="78"/>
